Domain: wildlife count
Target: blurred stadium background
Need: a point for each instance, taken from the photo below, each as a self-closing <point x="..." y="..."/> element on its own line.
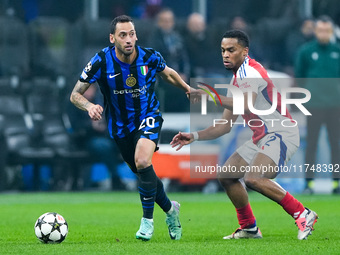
<point x="46" y="144"/>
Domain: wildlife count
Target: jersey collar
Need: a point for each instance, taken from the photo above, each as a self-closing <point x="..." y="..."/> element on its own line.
<point x="113" y="52"/>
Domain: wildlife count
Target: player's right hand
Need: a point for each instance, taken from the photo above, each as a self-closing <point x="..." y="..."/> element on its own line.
<point x="95" y="111"/>
<point x="181" y="139"/>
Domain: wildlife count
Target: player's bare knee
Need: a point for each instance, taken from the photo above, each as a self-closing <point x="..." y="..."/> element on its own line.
<point x="142" y="163"/>
<point x="252" y="182"/>
<point x="225" y="182"/>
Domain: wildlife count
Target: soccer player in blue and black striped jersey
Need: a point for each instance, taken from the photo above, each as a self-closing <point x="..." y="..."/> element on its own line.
<point x="126" y="75"/>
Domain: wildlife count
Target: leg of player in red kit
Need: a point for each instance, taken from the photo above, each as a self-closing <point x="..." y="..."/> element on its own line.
<point x="239" y="197"/>
<point x="260" y="182"/>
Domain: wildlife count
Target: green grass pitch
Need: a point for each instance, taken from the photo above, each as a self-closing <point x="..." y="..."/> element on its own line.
<point x="106" y="223"/>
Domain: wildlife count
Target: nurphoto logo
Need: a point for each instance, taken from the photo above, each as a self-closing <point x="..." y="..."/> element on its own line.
<point x="277" y="103"/>
<point x="238" y="99"/>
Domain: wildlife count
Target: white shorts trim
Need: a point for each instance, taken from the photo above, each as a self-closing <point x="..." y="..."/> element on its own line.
<point x="276" y="146"/>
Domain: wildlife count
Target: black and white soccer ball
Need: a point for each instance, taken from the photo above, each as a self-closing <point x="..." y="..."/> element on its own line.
<point x="51" y="227"/>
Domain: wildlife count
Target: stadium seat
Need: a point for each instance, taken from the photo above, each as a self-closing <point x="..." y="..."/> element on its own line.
<point x="69" y="156"/>
<point x="20" y="144"/>
<point x="13" y="48"/>
<point x="21" y="152"/>
<point x="89" y="37"/>
<point x="45" y="104"/>
<point x="13" y="108"/>
<point x="50" y="47"/>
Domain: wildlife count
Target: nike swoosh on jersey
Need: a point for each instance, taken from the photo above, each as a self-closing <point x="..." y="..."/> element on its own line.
<point x="114" y="75"/>
<point x="148" y="133"/>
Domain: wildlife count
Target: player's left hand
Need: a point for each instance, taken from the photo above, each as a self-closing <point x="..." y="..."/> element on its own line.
<point x="203" y="89"/>
<point x="181" y="139"/>
<point x="197" y="93"/>
<point x="194" y="95"/>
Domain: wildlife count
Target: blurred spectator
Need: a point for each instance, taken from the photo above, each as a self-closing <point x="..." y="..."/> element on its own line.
<point x="296" y="38"/>
<point x="93" y="135"/>
<point x="239" y="23"/>
<point x="197" y="41"/>
<point x="227" y="9"/>
<point x="170" y="44"/>
<point x="273" y="29"/>
<point x="320" y="58"/>
<point x="152" y="8"/>
<point x="280" y="9"/>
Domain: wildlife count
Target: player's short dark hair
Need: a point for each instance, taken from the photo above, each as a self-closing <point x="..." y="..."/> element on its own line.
<point x="119" y="19"/>
<point x="325" y="19"/>
<point x="242" y="37"/>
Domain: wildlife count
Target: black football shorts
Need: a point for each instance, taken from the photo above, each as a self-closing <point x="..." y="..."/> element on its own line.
<point x="149" y="128"/>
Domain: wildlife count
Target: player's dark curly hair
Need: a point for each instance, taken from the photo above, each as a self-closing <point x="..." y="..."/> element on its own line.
<point x="241" y="37"/>
<point x="119" y="19"/>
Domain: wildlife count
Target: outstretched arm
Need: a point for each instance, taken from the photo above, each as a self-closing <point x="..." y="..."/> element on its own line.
<point x="172" y="77"/>
<point x="209" y="133"/>
<point x="227" y="102"/>
<point x="94" y="110"/>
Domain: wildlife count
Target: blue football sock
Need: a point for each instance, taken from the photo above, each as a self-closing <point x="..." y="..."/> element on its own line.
<point x="161" y="198"/>
<point x="147" y="187"/>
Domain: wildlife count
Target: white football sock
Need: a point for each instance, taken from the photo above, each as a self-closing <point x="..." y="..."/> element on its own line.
<point x="171" y="209"/>
<point x="251" y="229"/>
<point x="303" y="214"/>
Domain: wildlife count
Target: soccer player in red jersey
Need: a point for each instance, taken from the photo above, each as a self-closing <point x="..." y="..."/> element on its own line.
<point x="272" y="145"/>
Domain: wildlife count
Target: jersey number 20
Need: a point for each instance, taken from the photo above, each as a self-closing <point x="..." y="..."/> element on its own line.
<point x="149" y="121"/>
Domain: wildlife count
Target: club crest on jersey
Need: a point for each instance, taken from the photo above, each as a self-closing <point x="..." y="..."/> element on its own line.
<point x="144" y="70"/>
<point x="88" y="67"/>
<point x="130" y="81"/>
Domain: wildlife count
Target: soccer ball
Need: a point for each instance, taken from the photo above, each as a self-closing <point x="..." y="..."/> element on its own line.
<point x="51" y="227"/>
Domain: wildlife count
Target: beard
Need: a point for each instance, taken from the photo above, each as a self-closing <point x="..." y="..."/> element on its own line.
<point x="123" y="51"/>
